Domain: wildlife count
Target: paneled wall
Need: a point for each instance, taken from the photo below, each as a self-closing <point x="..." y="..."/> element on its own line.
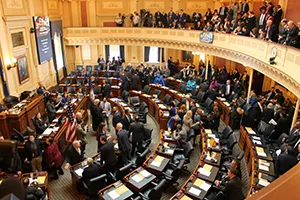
<point x="16" y="16"/>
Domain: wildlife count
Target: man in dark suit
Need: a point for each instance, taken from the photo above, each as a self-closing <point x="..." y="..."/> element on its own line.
<point x="74" y="154"/>
<point x="292" y="36"/>
<point x="255" y="112"/>
<point x="106" y="89"/>
<point x="135" y="80"/>
<point x="204" y="87"/>
<point x="39" y="124"/>
<point x="124" y="79"/>
<point x="108" y="155"/>
<point x="277" y="16"/>
<point x="271" y="31"/>
<point x="172" y="123"/>
<point x="51" y="111"/>
<point x="171" y="66"/>
<point x="293" y="137"/>
<point x="223" y="12"/>
<point x="96" y="113"/>
<point x="137" y="129"/>
<point x="212" y="94"/>
<point x="237" y="88"/>
<point x="285" y="161"/>
<point x="126" y="120"/>
<point x="245" y="7"/>
<point x="233" y="188"/>
<point x="32" y="192"/>
<point x="123" y="143"/>
<point x="92" y="171"/>
<point x="33" y="153"/>
<point x="262" y="19"/>
<point x="226" y="90"/>
<point x="116" y="117"/>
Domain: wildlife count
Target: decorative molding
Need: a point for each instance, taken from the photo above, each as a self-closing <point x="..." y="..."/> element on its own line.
<point x="112" y="5"/>
<point x="52" y="5"/>
<point x="196" y="5"/>
<point x="188" y="40"/>
<point x="15" y="4"/>
<point x="154" y="4"/>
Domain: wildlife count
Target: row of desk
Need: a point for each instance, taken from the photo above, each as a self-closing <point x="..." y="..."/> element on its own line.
<point x="85" y="80"/>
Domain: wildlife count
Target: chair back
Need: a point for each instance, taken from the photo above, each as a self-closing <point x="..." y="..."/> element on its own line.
<point x="147" y="134"/>
<point x="200" y="96"/>
<point x="167" y="99"/>
<point x="232" y="96"/>
<point x="231" y="141"/>
<point x="122" y="172"/>
<point x="188" y="149"/>
<point x="97" y="184"/>
<point x="177" y="171"/>
<point x="220" y="196"/>
<point x="73" y="73"/>
<point x="143" y="106"/>
<point x="194" y="93"/>
<point x="241" y="102"/>
<point x="94" y="73"/>
<point x="80" y="81"/>
<point x="157" y="92"/>
<point x="97" y="67"/>
<point x="60" y="89"/>
<point x="97" y="90"/>
<point x="208" y="102"/>
<point x="182" y="88"/>
<point x="71" y="90"/>
<point x="176" y="102"/>
<point x="227" y="132"/>
<point x="141" y="158"/>
<point x="88" y="68"/>
<point x="156" y="192"/>
<point x="125" y="95"/>
<point x="146" y="89"/>
<point x="135" y="101"/>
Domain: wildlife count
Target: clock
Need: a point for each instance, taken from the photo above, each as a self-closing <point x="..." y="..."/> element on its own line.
<point x="274" y="52"/>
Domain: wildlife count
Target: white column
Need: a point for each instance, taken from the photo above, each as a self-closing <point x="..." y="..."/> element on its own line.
<point x="160" y="57"/>
<point x="250" y="84"/>
<point x="206" y="69"/>
<point x="296" y="113"/>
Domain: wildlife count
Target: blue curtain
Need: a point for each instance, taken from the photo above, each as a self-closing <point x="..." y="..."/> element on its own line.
<point x="107" y="51"/>
<point x="146" y="54"/>
<point x="122" y="52"/>
<point x="5" y="89"/>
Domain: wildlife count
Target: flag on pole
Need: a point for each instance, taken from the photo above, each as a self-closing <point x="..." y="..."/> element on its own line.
<point x="92" y="95"/>
<point x="71" y="124"/>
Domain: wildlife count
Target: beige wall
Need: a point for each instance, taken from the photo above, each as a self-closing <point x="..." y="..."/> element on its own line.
<point x="16" y="16"/>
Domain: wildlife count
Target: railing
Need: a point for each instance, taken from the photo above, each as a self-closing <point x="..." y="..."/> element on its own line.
<point x="245" y="50"/>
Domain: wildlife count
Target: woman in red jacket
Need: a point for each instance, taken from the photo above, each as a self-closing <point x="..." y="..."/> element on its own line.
<point x="54" y="159"/>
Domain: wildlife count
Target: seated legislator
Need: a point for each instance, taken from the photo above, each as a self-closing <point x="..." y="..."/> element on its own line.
<point x="51" y="111"/>
<point x="233" y="188"/>
<point x="108" y="156"/>
<point x="191" y="85"/>
<point x="235" y="164"/>
<point x="32" y="191"/>
<point x="285" y="161"/>
<point x="159" y="79"/>
<point x="92" y="171"/>
<point x="58" y="102"/>
<point x="180" y="135"/>
<point x="39" y="124"/>
<point x="74" y="154"/>
<point x="172" y="123"/>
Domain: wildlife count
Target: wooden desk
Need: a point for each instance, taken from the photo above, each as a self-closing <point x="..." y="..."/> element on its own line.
<point x="225" y="105"/>
<point x="180" y="195"/>
<point x="137" y="181"/>
<point x="165" y="149"/>
<point x="207" y="172"/>
<point x="156" y="164"/>
<point x="167" y="136"/>
<point x="22" y="119"/>
<point x="213" y="158"/>
<point x="165" y="90"/>
<point x="196" y="188"/>
<point x="115" y="191"/>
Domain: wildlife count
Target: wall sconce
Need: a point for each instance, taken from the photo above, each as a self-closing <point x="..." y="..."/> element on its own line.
<point x="13" y="64"/>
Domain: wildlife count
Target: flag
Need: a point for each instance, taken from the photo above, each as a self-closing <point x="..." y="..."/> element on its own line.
<point x="92" y="95"/>
<point x="71" y="124"/>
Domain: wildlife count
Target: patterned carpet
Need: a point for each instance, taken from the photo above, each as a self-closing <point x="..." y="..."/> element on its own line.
<point x="62" y="189"/>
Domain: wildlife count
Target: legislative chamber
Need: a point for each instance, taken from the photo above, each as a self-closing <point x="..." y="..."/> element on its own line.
<point x="138" y="99"/>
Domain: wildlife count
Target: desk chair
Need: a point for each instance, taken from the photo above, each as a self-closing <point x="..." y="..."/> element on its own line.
<point x="154" y="193"/>
<point x="241" y="102"/>
<point x="68" y="81"/>
<point x="141" y="158"/>
<point x="60" y="90"/>
<point x="176" y="102"/>
<point x="232" y="96"/>
<point x="147" y="138"/>
<point x="97" y="67"/>
<point x="117" y="74"/>
<point x="167" y="99"/>
<point x="224" y="135"/>
<point x="88" y="68"/>
<point x="227" y="149"/>
<point x="73" y="74"/>
<point x="95" y="185"/>
<point x="71" y="90"/>
<point x="143" y="112"/>
<point x="200" y="97"/>
<point x="227" y="163"/>
<point x="125" y="96"/>
<point x="97" y="90"/>
<point x="173" y="173"/>
<point x="135" y="102"/>
<point x="95" y="73"/>
<point x="146" y="89"/>
<point x="80" y="81"/>
<point x="207" y="103"/>
<point x="182" y="88"/>
<point x="183" y="154"/>
<point x="194" y="93"/>
<point x="157" y="93"/>
<point x="121" y="173"/>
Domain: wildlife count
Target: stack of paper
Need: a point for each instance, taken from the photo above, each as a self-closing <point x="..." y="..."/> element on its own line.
<point x="204" y="172"/>
<point x="122" y="189"/>
<point x="137" y="178"/>
<point x="208" y="131"/>
<point x="113" y="194"/>
<point x="169" y="151"/>
<point x="257" y="142"/>
<point x="155" y="163"/>
<point x="195" y="191"/>
<point x="263" y="167"/>
<point x="145" y="173"/>
<point x="263" y="182"/>
<point x="199" y="182"/>
<point x="250" y="131"/>
<point x="205" y="186"/>
<point x="260" y="151"/>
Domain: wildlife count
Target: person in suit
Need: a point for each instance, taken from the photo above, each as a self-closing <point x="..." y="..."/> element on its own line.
<point x="270" y="94"/>
<point x="33" y="153"/>
<point x="126" y="119"/>
<point x="271" y="31"/>
<point x="106" y="89"/>
<point x="106" y="111"/>
<point x="262" y="19"/>
<point x="137" y="129"/>
<point x="51" y="111"/>
<point x="277" y="15"/>
<point x="245" y="7"/>
<point x="32" y="191"/>
<point x="255" y="112"/>
<point x="74" y="154"/>
<point x="39" y="124"/>
<point x="197" y="18"/>
<point x="212" y="94"/>
<point x="54" y="159"/>
<point x="81" y="133"/>
<point x="285" y="161"/>
<point x="237" y="88"/>
<point x="124" y="80"/>
<point x="283" y="125"/>
<point x="108" y="155"/>
<point x="204" y="86"/>
<point x="135" y="80"/>
<point x="226" y="90"/>
<point x="117" y="117"/>
<point x="180" y="135"/>
<point x="100" y="134"/>
<point x="91" y="171"/>
<point x="172" y="123"/>
<point x="236" y="117"/>
<point x="268" y="113"/>
<point x="96" y="113"/>
<point x="292" y="35"/>
<point x="235" y="74"/>
<point x="293" y="137"/>
<point x="123" y="143"/>
<point x="233" y="188"/>
<point x="223" y="12"/>
<point x="283" y="31"/>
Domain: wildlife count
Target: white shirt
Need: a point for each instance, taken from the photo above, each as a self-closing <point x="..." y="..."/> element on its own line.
<point x="136" y="19"/>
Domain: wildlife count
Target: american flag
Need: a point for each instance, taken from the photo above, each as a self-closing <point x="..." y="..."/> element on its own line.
<point x="71" y="124"/>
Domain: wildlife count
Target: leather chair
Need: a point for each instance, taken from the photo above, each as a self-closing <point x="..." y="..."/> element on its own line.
<point x="95" y="185"/>
<point x="10" y="101"/>
<point x="125" y="96"/>
<point x="224" y="135"/>
<point x="97" y="91"/>
<point x="146" y="89"/>
<point x="73" y="74"/>
<point x="143" y="112"/>
<point x="227" y="161"/>
<point x="241" y="102"/>
<point x="88" y="68"/>
<point x="141" y="158"/>
<point x="80" y="82"/>
<point x="247" y="107"/>
<point x="182" y="88"/>
<point x="154" y="193"/>
<point x="147" y="137"/>
<point x="167" y="99"/>
<point x="232" y="96"/>
<point x="157" y="93"/>
<point x="122" y="172"/>
<point x="71" y="90"/>
<point x="68" y="81"/>
<point x="95" y="73"/>
<point x="227" y="149"/>
<point x="207" y="103"/>
<point x="200" y="97"/>
<point x="117" y="74"/>
<point x="97" y="67"/>
<point x="135" y="102"/>
<point x="60" y="90"/>
<point x="194" y="93"/>
<point x="173" y="173"/>
<point x="183" y="154"/>
<point x="176" y="102"/>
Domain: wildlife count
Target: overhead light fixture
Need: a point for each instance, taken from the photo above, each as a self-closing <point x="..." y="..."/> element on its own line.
<point x="12" y="64"/>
